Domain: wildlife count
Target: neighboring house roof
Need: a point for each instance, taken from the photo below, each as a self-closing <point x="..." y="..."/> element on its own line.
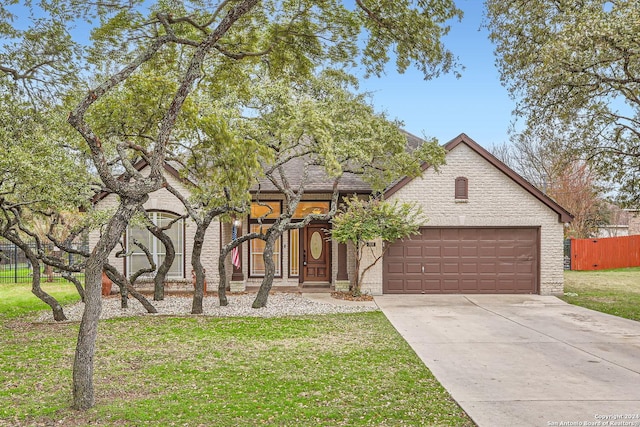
<point x="563" y="214"/>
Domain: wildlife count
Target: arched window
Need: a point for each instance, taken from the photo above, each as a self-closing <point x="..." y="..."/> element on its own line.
<point x="462" y="188"/>
<point x="137" y="258"/>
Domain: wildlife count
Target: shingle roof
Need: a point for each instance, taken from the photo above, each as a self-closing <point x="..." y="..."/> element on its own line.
<point x="317" y="180"/>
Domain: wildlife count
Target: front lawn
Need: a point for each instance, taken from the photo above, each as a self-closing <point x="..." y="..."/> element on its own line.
<point x="615" y="292"/>
<point x="333" y="370"/>
<point x="16" y="299"/>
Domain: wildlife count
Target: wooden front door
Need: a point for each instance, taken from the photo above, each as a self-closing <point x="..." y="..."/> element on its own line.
<point x="316" y="258"/>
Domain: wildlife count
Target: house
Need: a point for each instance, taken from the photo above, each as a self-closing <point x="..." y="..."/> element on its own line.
<point x="488" y="231"/>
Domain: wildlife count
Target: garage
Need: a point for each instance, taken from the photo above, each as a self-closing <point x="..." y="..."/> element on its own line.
<point x="482" y="260"/>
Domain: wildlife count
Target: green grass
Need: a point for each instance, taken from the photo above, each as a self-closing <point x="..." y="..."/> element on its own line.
<point x="23" y="274"/>
<point x="615" y="292"/>
<point x="334" y="370"/>
<point x="16" y="299"/>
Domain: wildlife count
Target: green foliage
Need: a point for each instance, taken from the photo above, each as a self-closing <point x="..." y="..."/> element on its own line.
<point x="360" y="221"/>
<point x="314" y="370"/>
<point x="323" y="119"/>
<point x="395" y="25"/>
<point x="224" y="164"/>
<point x="148" y="64"/>
<point x="37" y="169"/>
<point x="366" y="220"/>
<point x="574" y="66"/>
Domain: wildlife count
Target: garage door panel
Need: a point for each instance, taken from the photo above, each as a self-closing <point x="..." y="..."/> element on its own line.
<point x="464" y="260"/>
<point x="395" y="267"/>
<point x="431" y="285"/>
<point x="524" y="268"/>
<point x="450" y="267"/>
<point x="414" y="250"/>
<point x="451" y="285"/>
<point x="450" y="251"/>
<point x="432" y="267"/>
<point x="469" y="251"/>
<point x="414" y="284"/>
<point x="413" y="268"/>
<point x="469" y="267"/>
<point x="487" y="285"/>
<point x="431" y="251"/>
<point x="395" y="285"/>
<point x="451" y="234"/>
<point x="395" y="251"/>
<point x="468" y="286"/>
<point x="487" y="268"/>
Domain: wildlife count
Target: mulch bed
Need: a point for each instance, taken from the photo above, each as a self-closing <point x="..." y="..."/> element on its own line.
<point x="349" y="297"/>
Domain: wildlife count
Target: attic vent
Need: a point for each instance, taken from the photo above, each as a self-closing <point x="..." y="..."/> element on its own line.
<point x="462" y="188"/>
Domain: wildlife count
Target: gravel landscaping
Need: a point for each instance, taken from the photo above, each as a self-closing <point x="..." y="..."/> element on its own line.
<point x="284" y="304"/>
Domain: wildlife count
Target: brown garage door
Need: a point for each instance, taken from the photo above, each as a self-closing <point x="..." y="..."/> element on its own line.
<point x="464" y="260"/>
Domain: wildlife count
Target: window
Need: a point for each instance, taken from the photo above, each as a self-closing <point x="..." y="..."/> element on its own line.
<point x="462" y="188"/>
<point x="294" y="252"/>
<point x="307" y="208"/>
<point x="256" y="250"/>
<point x="265" y="210"/>
<point x="138" y="259"/>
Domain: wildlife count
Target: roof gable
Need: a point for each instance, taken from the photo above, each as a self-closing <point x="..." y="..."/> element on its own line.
<point x="563" y="214"/>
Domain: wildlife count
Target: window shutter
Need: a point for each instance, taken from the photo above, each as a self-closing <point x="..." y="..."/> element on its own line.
<point x="462" y="188"/>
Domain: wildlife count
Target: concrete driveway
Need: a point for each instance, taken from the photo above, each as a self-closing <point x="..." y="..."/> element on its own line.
<point x="527" y="360"/>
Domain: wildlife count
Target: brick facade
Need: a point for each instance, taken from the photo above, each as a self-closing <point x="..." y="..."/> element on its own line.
<point x="494" y="199"/>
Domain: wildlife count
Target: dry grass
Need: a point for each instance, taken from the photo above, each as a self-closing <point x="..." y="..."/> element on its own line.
<point x="615" y="292"/>
<point x="622" y="280"/>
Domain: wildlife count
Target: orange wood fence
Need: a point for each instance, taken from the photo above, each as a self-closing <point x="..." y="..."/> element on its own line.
<point x="604" y="253"/>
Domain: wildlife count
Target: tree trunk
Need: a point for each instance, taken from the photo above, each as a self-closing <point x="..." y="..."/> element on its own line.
<point x="123" y="282"/>
<point x="196" y="263"/>
<point x="83" y="390"/>
<point x="269" y="271"/>
<point x="170" y="255"/>
<point x="69" y="276"/>
<point x="122" y="286"/>
<point x="355" y="291"/>
<point x="58" y="312"/>
<point x="56" y="308"/>
<point x="222" y="285"/>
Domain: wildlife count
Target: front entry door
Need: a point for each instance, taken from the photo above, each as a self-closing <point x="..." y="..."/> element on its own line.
<point x="315" y="255"/>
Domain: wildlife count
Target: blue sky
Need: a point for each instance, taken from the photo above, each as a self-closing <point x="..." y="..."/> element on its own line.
<point x="476" y="104"/>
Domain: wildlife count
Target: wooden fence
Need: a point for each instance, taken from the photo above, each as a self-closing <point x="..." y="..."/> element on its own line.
<point x="605" y="253"/>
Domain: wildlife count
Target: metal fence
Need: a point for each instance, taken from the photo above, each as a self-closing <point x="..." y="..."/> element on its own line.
<point x="16" y="268"/>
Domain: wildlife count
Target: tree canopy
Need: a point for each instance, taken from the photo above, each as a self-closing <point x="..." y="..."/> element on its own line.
<point x="576" y="66"/>
<point x="131" y="90"/>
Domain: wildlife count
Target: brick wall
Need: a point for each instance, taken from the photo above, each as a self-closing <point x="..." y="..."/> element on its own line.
<point x="494" y="200"/>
